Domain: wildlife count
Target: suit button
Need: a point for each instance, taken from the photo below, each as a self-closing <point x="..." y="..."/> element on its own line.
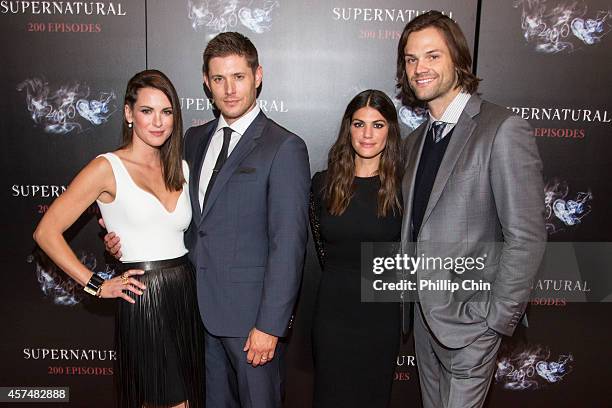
<point x="201" y="233"/>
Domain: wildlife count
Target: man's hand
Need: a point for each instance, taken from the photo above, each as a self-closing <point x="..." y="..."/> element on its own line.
<point x="111" y="241"/>
<point x="260" y="347"/>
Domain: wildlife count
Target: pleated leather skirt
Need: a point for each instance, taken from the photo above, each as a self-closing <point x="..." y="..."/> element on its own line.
<point x="159" y="339"/>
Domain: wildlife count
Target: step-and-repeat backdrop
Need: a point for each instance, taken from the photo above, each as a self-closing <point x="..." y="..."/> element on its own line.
<point x="64" y="69"/>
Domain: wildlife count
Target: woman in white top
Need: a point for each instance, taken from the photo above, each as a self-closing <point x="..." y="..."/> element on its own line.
<point x="143" y="195"/>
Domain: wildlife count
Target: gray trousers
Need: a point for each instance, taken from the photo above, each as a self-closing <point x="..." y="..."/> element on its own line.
<point x="453" y="378"/>
<point x="231" y="382"/>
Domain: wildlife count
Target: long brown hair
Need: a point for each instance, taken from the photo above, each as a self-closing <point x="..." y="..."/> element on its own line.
<point x="457" y="46"/>
<point x="338" y="190"/>
<point x="171" y="152"/>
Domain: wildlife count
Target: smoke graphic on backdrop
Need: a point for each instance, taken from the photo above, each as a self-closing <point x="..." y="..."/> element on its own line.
<point x="562" y="27"/>
<point x="55" y="284"/>
<point x="562" y="211"/>
<point x="411" y="117"/>
<point x="531" y="369"/>
<point x="223" y="15"/>
<point x="70" y="107"/>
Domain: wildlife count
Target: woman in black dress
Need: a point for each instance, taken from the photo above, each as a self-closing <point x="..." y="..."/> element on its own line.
<point x="357" y="199"/>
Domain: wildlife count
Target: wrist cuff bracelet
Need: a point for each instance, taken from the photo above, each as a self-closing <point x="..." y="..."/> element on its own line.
<point x="94" y="285"/>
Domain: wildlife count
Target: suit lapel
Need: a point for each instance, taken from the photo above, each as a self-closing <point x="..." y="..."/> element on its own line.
<point x="194" y="186"/>
<point x="461" y="134"/>
<point x="412" y="164"/>
<point x="247" y="143"/>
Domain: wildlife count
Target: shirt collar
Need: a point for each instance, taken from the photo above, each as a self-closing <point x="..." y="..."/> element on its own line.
<point x="241" y="125"/>
<point x="453" y="110"/>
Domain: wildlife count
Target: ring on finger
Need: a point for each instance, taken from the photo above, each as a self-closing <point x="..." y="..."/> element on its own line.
<point x="125" y="278"/>
<point x="264" y="357"/>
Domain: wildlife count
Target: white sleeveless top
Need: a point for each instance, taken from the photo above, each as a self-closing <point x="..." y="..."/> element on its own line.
<point x="148" y="232"/>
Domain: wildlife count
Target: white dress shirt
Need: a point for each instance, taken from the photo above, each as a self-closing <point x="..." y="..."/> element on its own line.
<point x="214" y="148"/>
<point x="451" y="113"/>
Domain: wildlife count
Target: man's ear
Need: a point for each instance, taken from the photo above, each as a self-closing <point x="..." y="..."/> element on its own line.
<point x="258" y="76"/>
<point x="205" y="84"/>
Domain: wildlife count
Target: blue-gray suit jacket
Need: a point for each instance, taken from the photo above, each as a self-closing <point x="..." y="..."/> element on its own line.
<point x="248" y="242"/>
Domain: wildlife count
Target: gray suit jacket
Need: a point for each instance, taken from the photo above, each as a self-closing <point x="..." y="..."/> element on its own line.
<point x="248" y="242"/>
<point x="488" y="189"/>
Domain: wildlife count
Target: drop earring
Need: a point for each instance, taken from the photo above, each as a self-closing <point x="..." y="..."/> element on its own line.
<point x="130" y="125"/>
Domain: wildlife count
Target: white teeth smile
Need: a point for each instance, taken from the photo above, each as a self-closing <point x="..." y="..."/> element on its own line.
<point x="424" y="81"/>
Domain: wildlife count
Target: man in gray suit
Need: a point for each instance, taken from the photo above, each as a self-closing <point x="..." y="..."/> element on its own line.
<point x="472" y="188"/>
<point x="249" y="186"/>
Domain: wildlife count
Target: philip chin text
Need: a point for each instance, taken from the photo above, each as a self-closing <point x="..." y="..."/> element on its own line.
<point x="431" y="285"/>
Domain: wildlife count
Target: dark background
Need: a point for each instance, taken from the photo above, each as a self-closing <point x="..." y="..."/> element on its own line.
<point x="314" y="63"/>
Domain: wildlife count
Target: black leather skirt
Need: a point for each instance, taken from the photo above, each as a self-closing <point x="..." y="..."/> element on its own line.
<point x="159" y="339"/>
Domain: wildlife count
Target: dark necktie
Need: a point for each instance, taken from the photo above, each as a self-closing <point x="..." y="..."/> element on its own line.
<point x="221" y="159"/>
<point x="436" y="130"/>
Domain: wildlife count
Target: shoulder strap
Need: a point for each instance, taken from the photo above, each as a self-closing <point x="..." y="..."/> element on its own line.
<point x="119" y="170"/>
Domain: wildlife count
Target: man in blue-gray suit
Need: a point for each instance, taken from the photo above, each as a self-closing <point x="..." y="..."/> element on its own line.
<point x="249" y="184"/>
<point x="249" y="187"/>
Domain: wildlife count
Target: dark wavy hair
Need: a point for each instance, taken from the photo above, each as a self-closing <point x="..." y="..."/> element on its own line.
<point x="457" y="45"/>
<point x="338" y="189"/>
<point x="171" y="152"/>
